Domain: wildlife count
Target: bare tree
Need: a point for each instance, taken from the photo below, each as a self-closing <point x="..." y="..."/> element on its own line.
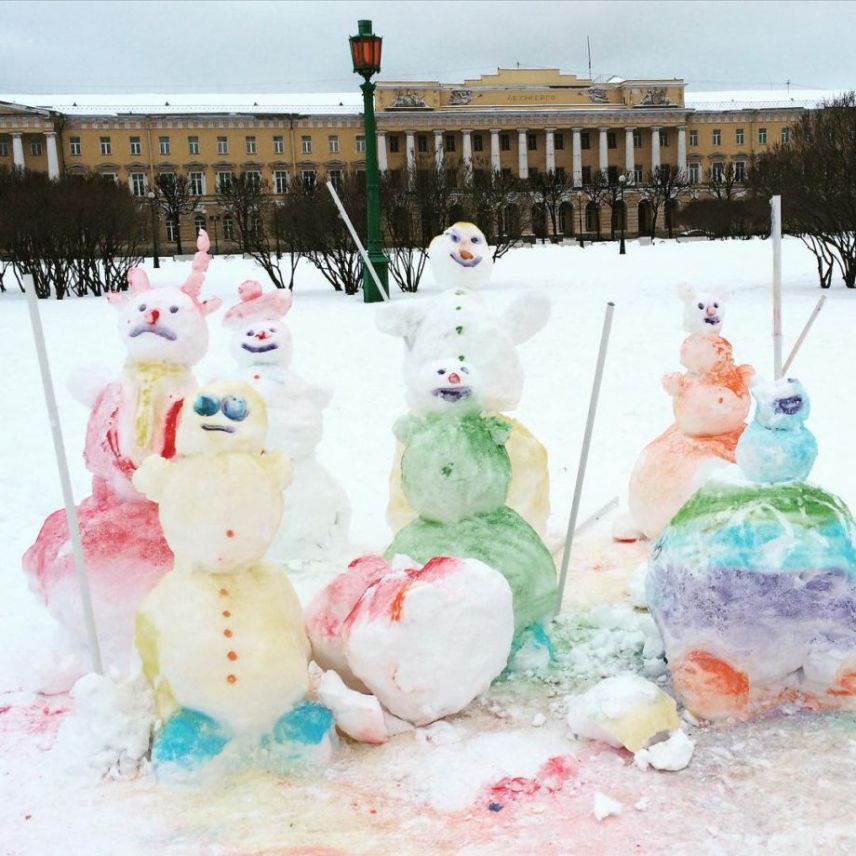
<point x="597" y="191"/>
<point x="549" y="190"/>
<point x="722" y="180"/>
<point x="174" y="198"/>
<point x="664" y="187"/>
<point x="614" y="197"/>
<point x="496" y="197"/>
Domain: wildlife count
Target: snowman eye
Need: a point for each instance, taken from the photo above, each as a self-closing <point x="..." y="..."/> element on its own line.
<point x="701" y="306"/>
<point x="142" y="307"/>
<point x="235" y="408"/>
<point x="206" y="405"/>
<point x="475" y="239"/>
<point x="716" y="306"/>
<point x="173" y="309"/>
<point x="456" y="239"/>
<point x="250" y="333"/>
<point x="441" y="371"/>
<point x="465" y="370"/>
<point x="271" y="329"/>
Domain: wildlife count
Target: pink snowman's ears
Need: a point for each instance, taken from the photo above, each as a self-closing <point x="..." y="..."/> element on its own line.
<point x="137" y="282"/>
<point x="255" y="305"/>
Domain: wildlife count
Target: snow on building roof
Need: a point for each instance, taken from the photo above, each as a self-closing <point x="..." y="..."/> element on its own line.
<point x="757" y="99"/>
<point x="162" y="103"/>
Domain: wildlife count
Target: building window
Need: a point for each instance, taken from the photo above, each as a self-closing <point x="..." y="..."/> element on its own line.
<point x="4" y="149"/>
<point x="110" y="176"/>
<point x="693" y="138"/>
<point x="611" y="141"/>
<point x="228" y="228"/>
<point x="164" y="145"/>
<point x="637" y="173"/>
<point x="478" y="143"/>
<point x="361" y="143"/>
<point x="693" y="172"/>
<point x="740" y="171"/>
<point x="307" y="176"/>
<point x="738" y="136"/>
<point x="280" y="181"/>
<point x="560" y="174"/>
<point x="250" y="145"/>
<point x="637" y="139"/>
<point x="167" y="179"/>
<point x="532" y="142"/>
<point x="558" y="141"/>
<point x="36" y="149"/>
<point x="222" y="146"/>
<point x="224" y="181"/>
<point x="74" y="146"/>
<point x="585" y="140"/>
<point x="306" y="144"/>
<point x="716" y="171"/>
<point x="136" y="147"/>
<point x="786" y="135"/>
<point x="278" y="147"/>
<point x="586" y="175"/>
<point x="505" y="142"/>
<point x="335" y="176"/>
<point x="171" y="229"/>
<point x="193" y="145"/>
<point x="253" y="178"/>
<point x="393" y="143"/>
<point x="449" y="144"/>
<point x="197" y="183"/>
<point x="199" y="222"/>
<point x="717" y="137"/>
<point x="664" y="138"/>
<point x="138" y="183"/>
<point x="612" y="174"/>
<point x="106" y="148"/>
<point x="762" y="136"/>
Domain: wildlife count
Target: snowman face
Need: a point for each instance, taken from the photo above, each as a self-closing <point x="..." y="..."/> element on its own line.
<point x="782" y="405"/>
<point x="445" y="385"/>
<point x="460" y="257"/>
<point x="266" y="341"/>
<point x="225" y="416"/>
<point x="163" y="324"/>
<point x="703" y="313"/>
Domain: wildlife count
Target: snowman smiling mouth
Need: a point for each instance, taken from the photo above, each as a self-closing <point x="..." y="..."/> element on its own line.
<point x="789" y="406"/>
<point x="711" y="319"/>
<point x="452" y="393"/>
<point x="469" y="263"/>
<point x="261" y="349"/>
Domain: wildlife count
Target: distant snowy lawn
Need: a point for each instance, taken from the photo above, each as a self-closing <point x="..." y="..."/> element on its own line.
<point x="791" y="770"/>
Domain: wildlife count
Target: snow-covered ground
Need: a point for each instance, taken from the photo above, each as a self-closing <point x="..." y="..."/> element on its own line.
<point x="783" y="784"/>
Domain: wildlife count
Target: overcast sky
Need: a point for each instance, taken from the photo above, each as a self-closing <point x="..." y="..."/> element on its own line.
<point x="94" y="47"/>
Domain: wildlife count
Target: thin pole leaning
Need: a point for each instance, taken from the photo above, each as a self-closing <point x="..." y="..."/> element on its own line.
<point x="776" y="234"/>
<point x="64" y="478"/>
<point x="798" y="344"/>
<point x="584" y="451"/>
<point x="357" y="240"/>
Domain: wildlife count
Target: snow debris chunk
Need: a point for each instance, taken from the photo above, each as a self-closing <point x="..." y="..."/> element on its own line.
<point x="356" y="714"/>
<point x="605" y="806"/>
<point x="672" y="754"/>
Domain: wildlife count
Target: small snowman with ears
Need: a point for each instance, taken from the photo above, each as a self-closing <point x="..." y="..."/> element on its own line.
<point x="317" y="513"/>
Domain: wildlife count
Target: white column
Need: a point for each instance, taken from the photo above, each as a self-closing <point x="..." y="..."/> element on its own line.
<point x="577" y="157"/>
<point x="410" y="145"/>
<point x="682" y="149"/>
<point x="494" y="149"/>
<point x="655" y="149"/>
<point x="17" y="150"/>
<point x="53" y="157"/>
<point x="381" y="151"/>
<point x="603" y="152"/>
<point x="629" y="159"/>
<point x="438" y="149"/>
<point x="522" y="154"/>
<point x="468" y="150"/>
<point x="551" y="149"/>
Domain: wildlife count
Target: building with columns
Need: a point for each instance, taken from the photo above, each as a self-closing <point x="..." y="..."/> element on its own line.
<point x="518" y="120"/>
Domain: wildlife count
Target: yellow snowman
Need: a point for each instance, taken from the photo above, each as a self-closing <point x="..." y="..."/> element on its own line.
<point x="222" y="637"/>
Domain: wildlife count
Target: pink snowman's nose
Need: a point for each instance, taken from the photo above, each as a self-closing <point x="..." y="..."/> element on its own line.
<point x="711" y="310"/>
<point x="454" y="377"/>
<point x="152" y="316"/>
<point x="262" y="335"/>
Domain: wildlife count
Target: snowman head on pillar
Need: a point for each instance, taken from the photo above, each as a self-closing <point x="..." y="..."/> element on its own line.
<point x="460" y="257"/>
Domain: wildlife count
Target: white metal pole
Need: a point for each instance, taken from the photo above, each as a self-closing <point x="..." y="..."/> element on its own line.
<point x="357" y="240"/>
<point x="798" y="344"/>
<point x="64" y="478"/>
<point x="776" y="235"/>
<point x="584" y="451"/>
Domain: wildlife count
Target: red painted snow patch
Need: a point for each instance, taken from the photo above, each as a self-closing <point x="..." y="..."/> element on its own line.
<point x="550" y="777"/>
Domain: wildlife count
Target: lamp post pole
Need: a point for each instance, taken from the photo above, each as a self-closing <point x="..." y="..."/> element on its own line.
<point x="621" y="181"/>
<point x="155" y="226"/>
<point x="365" y="50"/>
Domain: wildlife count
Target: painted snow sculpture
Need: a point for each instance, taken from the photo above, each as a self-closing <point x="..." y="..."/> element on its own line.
<point x="710" y="401"/>
<point x="317" y="513"/>
<point x="753" y="583"/>
<point x="455" y="472"/>
<point x="222" y="637"/>
<point x="460" y="323"/>
<point x="165" y="333"/>
<point x="424" y="640"/>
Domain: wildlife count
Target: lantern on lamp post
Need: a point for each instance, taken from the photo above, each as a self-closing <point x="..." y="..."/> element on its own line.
<point x="365" y="53"/>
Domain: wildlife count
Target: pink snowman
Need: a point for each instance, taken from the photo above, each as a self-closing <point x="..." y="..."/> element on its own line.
<point x="710" y="402"/>
<point x="165" y="333"/>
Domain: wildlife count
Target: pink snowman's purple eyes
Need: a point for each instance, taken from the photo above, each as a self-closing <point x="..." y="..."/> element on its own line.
<point x="173" y="309"/>
<point x="142" y="307"/>
<point x="251" y="332"/>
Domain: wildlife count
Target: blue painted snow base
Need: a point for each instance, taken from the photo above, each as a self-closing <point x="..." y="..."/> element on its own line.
<point x="189" y="739"/>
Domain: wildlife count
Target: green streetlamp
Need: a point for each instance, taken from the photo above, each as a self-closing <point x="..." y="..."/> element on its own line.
<point x="365" y="52"/>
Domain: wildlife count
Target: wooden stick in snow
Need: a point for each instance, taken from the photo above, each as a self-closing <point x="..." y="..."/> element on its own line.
<point x="798" y="344"/>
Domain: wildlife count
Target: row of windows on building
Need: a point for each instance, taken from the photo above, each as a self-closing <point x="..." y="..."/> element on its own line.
<point x="194" y="148"/>
<point x="739" y="136"/>
<point x="35" y="149"/>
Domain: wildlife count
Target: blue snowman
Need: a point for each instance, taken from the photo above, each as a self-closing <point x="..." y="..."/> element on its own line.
<point x="777" y="447"/>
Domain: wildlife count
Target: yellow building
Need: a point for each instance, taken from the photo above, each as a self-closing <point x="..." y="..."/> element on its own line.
<point x="521" y="120"/>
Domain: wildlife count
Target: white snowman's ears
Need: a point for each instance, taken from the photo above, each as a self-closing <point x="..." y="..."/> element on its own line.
<point x="686" y="291"/>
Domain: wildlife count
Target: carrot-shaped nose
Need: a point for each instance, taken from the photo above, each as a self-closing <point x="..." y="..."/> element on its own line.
<point x="152" y="316"/>
<point x="454" y="377"/>
<point x="465" y="254"/>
